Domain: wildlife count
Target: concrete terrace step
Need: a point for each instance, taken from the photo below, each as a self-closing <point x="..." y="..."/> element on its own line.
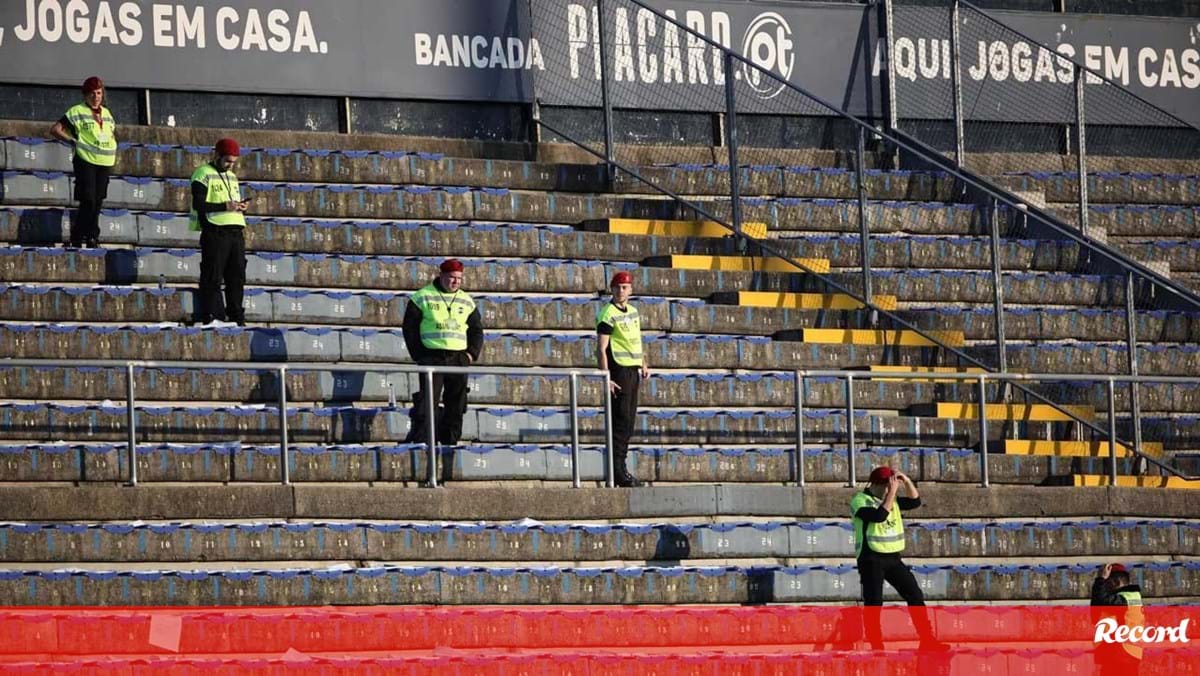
<point x="66" y="341"/>
<point x="1102" y="449"/>
<point x="545" y="275"/>
<point x="1012" y="412"/>
<point x="632" y="226"/>
<point x="363" y="423"/>
<point x="384" y="463"/>
<point x="739" y="264"/>
<point x="337" y="165"/>
<point x="560" y="312"/>
<point x="25" y="302"/>
<point x="455" y="202"/>
<point x="1156" y="482"/>
<point x="39" y="226"/>
<point x="452" y="585"/>
<point x="663" y="388"/>
<point x="530" y="541"/>
<point x="798" y="301"/>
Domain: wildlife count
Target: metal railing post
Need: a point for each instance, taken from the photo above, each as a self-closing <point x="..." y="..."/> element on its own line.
<point x="1112" y="432"/>
<point x="851" y="451"/>
<point x="960" y="151"/>
<point x="731" y="141"/>
<point x="575" y="430"/>
<point x="984" y="478"/>
<point x="1135" y="400"/>
<point x="1081" y="148"/>
<point x="131" y="424"/>
<point x="430" y="427"/>
<point x="605" y="96"/>
<point x="610" y="475"/>
<point x="998" y="289"/>
<point x="798" y="460"/>
<point x="285" y="470"/>
<point x="864" y="230"/>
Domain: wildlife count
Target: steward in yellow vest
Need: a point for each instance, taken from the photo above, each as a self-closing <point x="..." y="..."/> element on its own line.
<point x="90" y="127"/>
<point x="619" y="351"/>
<point x="218" y="212"/>
<point x="442" y="327"/>
<point x="1114" y="596"/>
<point x="878" y="542"/>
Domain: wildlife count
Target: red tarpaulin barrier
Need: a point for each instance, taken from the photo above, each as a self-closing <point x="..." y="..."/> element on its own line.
<point x="654" y="640"/>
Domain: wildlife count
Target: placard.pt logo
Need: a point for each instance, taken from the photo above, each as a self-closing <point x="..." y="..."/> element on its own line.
<point x="768" y="44"/>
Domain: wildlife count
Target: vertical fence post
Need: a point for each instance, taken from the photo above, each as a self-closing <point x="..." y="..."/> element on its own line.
<point x="430" y="427"/>
<point x="131" y="424"/>
<point x="851" y="452"/>
<point x="605" y="94"/>
<point x="864" y="230"/>
<point x="731" y="141"/>
<point x="1135" y="400"/>
<point x="998" y="288"/>
<point x="575" y="430"/>
<point x="1081" y="148"/>
<point x="610" y="474"/>
<point x="798" y="460"/>
<point x="889" y="41"/>
<point x="285" y="471"/>
<point x="1112" y="432"/>
<point x="984" y="479"/>
<point x="147" y="113"/>
<point x="960" y="151"/>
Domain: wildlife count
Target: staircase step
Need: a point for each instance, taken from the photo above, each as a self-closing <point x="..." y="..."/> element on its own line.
<point x="665" y="228"/>
<point x="1136" y="481"/>
<point x="1089" y="449"/>
<point x="904" y="338"/>
<point x="739" y="264"/>
<point x="1014" y="412"/>
<point x="799" y="301"/>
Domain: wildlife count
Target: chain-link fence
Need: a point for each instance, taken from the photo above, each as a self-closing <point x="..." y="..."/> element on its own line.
<point x="857" y="192"/>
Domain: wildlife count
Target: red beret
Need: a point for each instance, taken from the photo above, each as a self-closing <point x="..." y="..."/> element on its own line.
<point x="880" y="475"/>
<point x="621" y="278"/>
<point x="451" y="265"/>
<point x="92" y="84"/>
<point x="228" y="146"/>
<point x="1118" y="568"/>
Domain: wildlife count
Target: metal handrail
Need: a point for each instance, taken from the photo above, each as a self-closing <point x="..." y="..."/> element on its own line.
<point x="901" y="141"/>
<point x="281" y="369"/>
<point x="982" y="380"/>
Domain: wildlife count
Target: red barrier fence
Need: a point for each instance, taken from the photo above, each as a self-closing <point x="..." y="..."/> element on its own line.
<point x="984" y="640"/>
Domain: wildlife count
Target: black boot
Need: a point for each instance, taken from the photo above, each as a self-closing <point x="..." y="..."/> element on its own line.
<point x="621" y="475"/>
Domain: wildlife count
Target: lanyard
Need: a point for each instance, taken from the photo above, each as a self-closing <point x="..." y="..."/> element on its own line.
<point x="228" y="189"/>
<point x="449" y="305"/>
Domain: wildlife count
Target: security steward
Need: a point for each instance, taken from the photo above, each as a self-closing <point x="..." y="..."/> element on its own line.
<point x="218" y="212"/>
<point x="93" y="131"/>
<point x="619" y="331"/>
<point x="442" y="327"/>
<point x="1114" y="596"/>
<point x="878" y="542"/>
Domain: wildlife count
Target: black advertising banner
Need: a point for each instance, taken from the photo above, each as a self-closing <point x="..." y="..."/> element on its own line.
<point x="519" y="50"/>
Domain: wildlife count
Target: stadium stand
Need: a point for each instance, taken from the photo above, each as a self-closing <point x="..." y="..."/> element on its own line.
<point x="333" y="259"/>
<point x="345" y="227"/>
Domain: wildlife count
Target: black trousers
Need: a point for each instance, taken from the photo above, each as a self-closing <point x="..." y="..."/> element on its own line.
<point x="873" y="570"/>
<point x="91" y="187"/>
<point x="222" y="259"/>
<point x="625" y="404"/>
<point x="451" y="389"/>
